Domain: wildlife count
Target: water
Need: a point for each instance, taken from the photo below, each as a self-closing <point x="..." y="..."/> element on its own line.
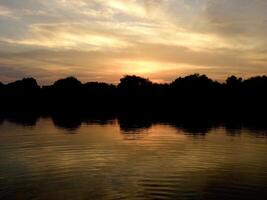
<point x="108" y="161"/>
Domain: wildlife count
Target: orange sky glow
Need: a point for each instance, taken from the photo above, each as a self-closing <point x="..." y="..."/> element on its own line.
<point x="102" y="40"/>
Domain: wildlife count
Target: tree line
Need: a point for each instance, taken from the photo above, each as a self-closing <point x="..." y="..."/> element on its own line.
<point x="191" y="95"/>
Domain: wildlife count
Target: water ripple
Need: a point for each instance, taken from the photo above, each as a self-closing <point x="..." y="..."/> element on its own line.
<point x="101" y="162"/>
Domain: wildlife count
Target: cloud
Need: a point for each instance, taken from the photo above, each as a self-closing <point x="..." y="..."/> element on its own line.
<point x="237" y="18"/>
<point x="6" y="12"/>
<point x="160" y="62"/>
<point x="104" y="39"/>
<point x="103" y="35"/>
<point x="65" y="35"/>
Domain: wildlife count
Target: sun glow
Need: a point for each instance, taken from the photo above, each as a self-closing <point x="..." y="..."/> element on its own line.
<point x="141" y="67"/>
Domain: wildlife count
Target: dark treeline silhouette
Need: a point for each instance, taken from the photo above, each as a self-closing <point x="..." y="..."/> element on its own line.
<point x="194" y="95"/>
<point x="195" y="103"/>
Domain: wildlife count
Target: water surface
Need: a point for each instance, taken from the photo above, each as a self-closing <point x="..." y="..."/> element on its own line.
<point x="110" y="161"/>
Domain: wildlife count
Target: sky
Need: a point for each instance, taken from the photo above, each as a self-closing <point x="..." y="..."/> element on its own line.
<point x="103" y="40"/>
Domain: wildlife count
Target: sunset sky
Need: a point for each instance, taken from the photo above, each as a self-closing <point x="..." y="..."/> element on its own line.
<point x="102" y="40"/>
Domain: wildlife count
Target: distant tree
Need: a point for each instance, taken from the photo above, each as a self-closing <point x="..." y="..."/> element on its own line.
<point x="258" y="81"/>
<point x="255" y="88"/>
<point x="1" y="86"/>
<point x="195" y="83"/>
<point x="99" y="93"/>
<point x="22" y="94"/>
<point x="233" y="81"/>
<point x="97" y="86"/>
<point x="134" y="82"/>
<point x="67" y="83"/>
<point x="135" y="93"/>
<point x="22" y="86"/>
<point x="190" y="93"/>
<point x="195" y="80"/>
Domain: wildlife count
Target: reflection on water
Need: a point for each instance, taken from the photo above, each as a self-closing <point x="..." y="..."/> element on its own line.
<point x="130" y="158"/>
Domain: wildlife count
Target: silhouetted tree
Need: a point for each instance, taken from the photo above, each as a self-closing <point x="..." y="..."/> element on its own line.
<point x="69" y="83"/>
<point x="22" y="94"/>
<point x="65" y="95"/>
<point x="26" y="85"/>
<point x="100" y="96"/>
<point x="233" y="94"/>
<point x="134" y="83"/>
<point x="254" y="91"/>
<point x="1" y="86"/>
<point x="192" y="103"/>
<point x="135" y="92"/>
<point x="233" y="81"/>
<point x="195" y="94"/>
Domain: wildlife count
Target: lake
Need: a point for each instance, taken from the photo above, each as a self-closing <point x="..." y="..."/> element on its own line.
<point x="110" y="160"/>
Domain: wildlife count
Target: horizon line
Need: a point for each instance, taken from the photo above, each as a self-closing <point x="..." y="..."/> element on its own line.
<point x="154" y="82"/>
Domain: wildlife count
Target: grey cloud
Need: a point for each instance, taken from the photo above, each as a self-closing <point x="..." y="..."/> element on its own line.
<point x="21" y="4"/>
<point x="153" y="4"/>
<point x="237" y="17"/>
<point x="11" y="72"/>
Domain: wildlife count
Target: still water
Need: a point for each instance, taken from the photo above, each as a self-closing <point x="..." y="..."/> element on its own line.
<point x="106" y="161"/>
